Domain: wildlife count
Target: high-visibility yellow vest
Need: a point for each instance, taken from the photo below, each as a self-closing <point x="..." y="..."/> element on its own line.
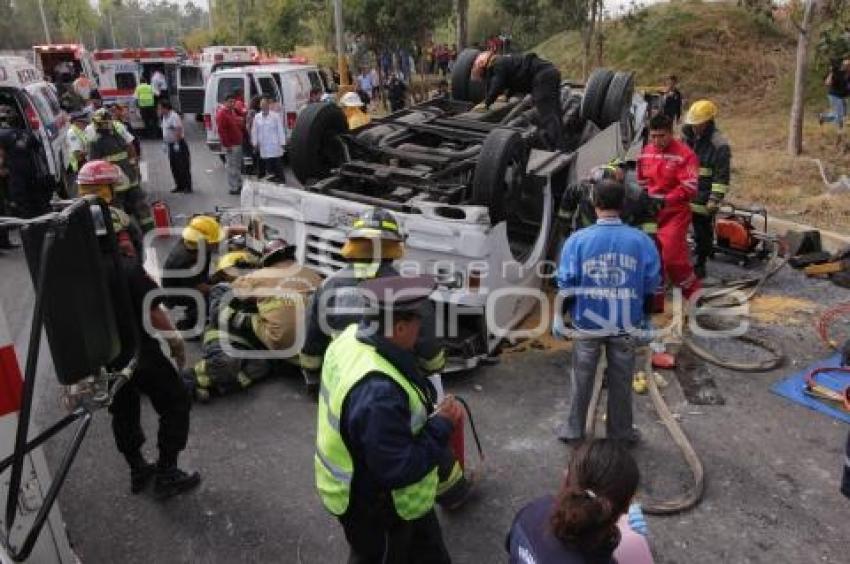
<point x="73" y="162"/>
<point x="347" y="361"/>
<point x="144" y="94"/>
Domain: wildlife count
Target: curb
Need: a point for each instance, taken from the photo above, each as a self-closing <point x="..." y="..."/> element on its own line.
<point x="831" y="241"/>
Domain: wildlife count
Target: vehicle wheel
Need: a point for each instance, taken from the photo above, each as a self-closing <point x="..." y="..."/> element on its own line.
<point x="594" y="94"/>
<point x="462" y="84"/>
<point x="500" y="172"/>
<point x="618" y="99"/>
<point x="315" y="148"/>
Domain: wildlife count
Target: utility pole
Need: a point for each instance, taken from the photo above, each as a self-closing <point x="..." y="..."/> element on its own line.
<point x="139" y="30"/>
<point x="210" y="12"/>
<point x="462" y="16"/>
<point x="342" y="66"/>
<point x="44" y="21"/>
<point x="112" y="30"/>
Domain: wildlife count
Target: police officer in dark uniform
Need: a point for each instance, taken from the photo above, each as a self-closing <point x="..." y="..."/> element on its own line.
<point x="524" y="74"/>
<point x="712" y="148"/>
<point x="380" y="441"/>
<point x="374" y="241"/>
<point x="154" y="375"/>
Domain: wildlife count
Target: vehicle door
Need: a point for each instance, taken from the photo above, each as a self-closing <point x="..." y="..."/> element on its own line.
<point x="50" y="125"/>
<point x="190" y="89"/>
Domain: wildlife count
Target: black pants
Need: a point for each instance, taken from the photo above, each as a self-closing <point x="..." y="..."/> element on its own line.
<point x="273" y="166"/>
<point x="703" y="236"/>
<point x="156" y="378"/>
<point x="546" y="95"/>
<point x="149" y="117"/>
<point x="181" y="165"/>
<point x="377" y="536"/>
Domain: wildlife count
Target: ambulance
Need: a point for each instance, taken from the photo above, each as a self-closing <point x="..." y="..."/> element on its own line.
<point x="66" y="57"/>
<point x="227" y="56"/>
<point x="121" y="70"/>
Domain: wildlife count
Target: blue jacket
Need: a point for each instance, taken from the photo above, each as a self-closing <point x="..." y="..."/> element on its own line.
<point x="610" y="270"/>
<point x="375" y="426"/>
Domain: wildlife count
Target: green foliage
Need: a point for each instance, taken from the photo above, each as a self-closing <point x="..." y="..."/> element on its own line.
<point x="392" y="24"/>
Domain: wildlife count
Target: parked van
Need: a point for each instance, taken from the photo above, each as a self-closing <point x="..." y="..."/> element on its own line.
<point x="287" y="84"/>
<point x="23" y="88"/>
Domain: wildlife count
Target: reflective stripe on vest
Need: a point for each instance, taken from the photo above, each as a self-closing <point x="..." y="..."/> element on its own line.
<point x="212" y="335"/>
<point x="705" y="171"/>
<point x="81" y="137"/>
<point x="347" y="361"/>
<point x="719" y="188"/>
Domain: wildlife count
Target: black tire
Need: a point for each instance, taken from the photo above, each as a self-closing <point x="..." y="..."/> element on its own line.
<point x="461" y="81"/>
<point x="618" y="99"/>
<point x="502" y="149"/>
<point x="315" y="148"/>
<point x="594" y="94"/>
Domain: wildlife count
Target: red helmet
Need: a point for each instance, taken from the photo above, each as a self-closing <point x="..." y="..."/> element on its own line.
<point x="99" y="172"/>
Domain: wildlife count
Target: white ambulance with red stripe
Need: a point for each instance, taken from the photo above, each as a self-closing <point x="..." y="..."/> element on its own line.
<point x="72" y="57"/>
<point x="121" y="70"/>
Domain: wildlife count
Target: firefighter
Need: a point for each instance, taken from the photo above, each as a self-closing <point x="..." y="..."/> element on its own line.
<point x="187" y="266"/>
<point x="506" y="75"/>
<point x="379" y="439"/>
<point x="374" y="241"/>
<point x="154" y="374"/>
<point x="281" y="289"/>
<point x="668" y="169"/>
<point x="77" y="145"/>
<point x="712" y="150"/>
<point x="639" y="209"/>
<point x="99" y="178"/>
<point x="109" y="140"/>
<point x="221" y="371"/>
<point x="353" y="108"/>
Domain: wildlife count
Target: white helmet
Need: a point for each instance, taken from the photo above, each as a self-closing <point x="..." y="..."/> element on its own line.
<point x="351" y="100"/>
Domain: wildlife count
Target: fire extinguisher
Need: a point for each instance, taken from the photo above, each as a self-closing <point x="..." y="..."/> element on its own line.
<point x="161" y="215"/>
<point x="457" y="440"/>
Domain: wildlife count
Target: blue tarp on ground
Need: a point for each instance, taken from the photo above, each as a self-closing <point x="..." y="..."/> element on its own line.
<point x="792" y="388"/>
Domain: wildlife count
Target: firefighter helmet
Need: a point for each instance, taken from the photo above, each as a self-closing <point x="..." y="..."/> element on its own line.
<point x="203" y="227"/>
<point x="375" y="223"/>
<point x="99" y="178"/>
<point x="277" y="250"/>
<point x="351" y="100"/>
<point x="101" y="118"/>
<point x="234" y="259"/>
<point x="482" y="63"/>
<point x="700" y="112"/>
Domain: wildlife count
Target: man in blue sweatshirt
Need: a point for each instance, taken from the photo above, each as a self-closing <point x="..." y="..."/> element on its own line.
<point x="607" y="276"/>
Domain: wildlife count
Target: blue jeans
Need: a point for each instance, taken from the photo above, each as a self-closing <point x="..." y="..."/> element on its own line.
<point x="839" y="111"/>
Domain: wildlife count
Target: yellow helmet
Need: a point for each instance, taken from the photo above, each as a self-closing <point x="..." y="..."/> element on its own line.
<point x="203" y="227"/>
<point x="234" y="259"/>
<point x="701" y="111"/>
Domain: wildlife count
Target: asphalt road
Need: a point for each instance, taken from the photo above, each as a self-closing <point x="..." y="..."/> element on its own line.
<point x="773" y="467"/>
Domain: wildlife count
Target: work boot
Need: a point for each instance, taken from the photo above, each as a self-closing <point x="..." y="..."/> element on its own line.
<point x="141" y="476"/>
<point x="172" y="481"/>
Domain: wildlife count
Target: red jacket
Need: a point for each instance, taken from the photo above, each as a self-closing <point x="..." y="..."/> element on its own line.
<point x="231" y="127"/>
<point x="672" y="173"/>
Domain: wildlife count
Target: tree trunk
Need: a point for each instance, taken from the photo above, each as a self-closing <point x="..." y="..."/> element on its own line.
<point x="462" y="7"/>
<point x="588" y="37"/>
<point x="795" y="126"/>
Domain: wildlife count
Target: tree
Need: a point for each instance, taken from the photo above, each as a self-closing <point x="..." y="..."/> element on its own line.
<point x="795" y="126"/>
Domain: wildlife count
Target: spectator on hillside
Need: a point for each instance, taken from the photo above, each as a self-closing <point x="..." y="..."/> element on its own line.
<point x="364" y="86"/>
<point x="443" y="59"/>
<point x="838" y="88"/>
<point x="586" y="523"/>
<point x="452" y="56"/>
<point x="376" y="84"/>
<point x="671" y="104"/>
<point x="397" y="93"/>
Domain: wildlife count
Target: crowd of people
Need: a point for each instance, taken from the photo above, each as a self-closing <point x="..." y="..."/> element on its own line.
<point x="837" y="83"/>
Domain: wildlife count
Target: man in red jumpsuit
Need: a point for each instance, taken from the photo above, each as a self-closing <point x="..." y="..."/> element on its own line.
<point x="668" y="168"/>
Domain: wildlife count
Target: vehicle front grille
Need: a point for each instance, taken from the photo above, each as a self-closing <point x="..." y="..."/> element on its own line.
<point x="323" y="252"/>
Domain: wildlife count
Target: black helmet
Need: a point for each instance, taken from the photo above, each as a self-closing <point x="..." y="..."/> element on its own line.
<point x="376" y="223"/>
<point x="277" y="250"/>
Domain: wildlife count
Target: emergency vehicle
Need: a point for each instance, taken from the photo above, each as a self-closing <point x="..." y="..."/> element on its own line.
<point x="227" y="56"/>
<point x="23" y="88"/>
<point x="48" y="57"/>
<point x="121" y="71"/>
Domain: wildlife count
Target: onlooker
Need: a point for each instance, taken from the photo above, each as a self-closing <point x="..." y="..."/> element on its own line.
<point x="672" y="100"/>
<point x="586" y="522"/>
<point x="178" y="150"/>
<point x="838" y="84"/>
<point x="443" y="59"/>
<point x="355" y="113"/>
<point x="608" y="275"/>
<point x="364" y="86"/>
<point x="397" y="93"/>
<point x="253" y="110"/>
<point x="231" y="125"/>
<point x="376" y="84"/>
<point x="268" y="138"/>
<point x="144" y="96"/>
